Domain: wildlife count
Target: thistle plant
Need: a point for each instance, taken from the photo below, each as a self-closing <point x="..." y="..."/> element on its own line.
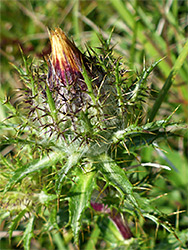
<point x="77" y="135"/>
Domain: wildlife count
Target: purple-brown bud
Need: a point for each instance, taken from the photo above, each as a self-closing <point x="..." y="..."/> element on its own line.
<point x="115" y="217"/>
<point x="65" y="72"/>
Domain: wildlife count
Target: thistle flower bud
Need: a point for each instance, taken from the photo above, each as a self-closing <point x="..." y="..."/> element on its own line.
<point x="65" y="78"/>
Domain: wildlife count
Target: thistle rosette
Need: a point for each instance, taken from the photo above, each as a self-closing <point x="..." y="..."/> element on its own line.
<point x="65" y="78"/>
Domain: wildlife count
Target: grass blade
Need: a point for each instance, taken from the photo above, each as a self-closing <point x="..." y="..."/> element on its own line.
<point x="179" y="62"/>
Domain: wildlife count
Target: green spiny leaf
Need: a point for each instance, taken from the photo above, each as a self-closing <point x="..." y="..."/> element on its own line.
<point x="137" y="136"/>
<point x="109" y="231"/>
<point x="89" y="84"/>
<point x="93" y="238"/>
<point x="73" y="159"/>
<point x="51" y="104"/>
<point x="79" y="202"/>
<point x="15" y="222"/>
<point x="135" y="94"/>
<point x="53" y="218"/>
<point x="45" y="162"/>
<point x="4" y="215"/>
<point x="117" y="177"/>
<point x="166" y="224"/>
<point x="28" y="233"/>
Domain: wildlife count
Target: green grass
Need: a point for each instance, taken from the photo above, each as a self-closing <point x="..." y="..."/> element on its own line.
<point x="51" y="172"/>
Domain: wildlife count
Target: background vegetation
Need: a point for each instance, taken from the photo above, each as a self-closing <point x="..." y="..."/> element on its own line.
<point x="143" y="33"/>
